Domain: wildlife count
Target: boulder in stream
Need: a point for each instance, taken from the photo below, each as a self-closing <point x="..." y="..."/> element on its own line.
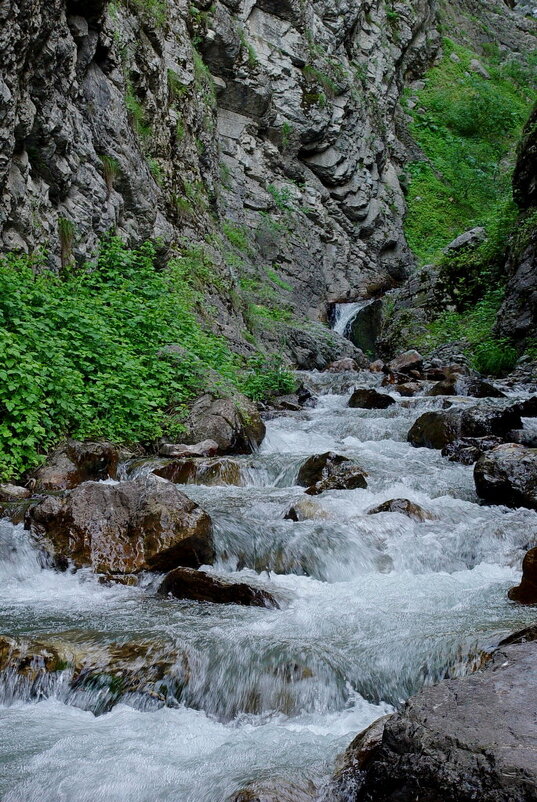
<point x="468" y="450"/>
<point x="207" y="448"/>
<point x="404" y="507"/>
<point x="305" y="509"/>
<point x="366" y="398"/>
<point x="219" y="471"/>
<point x="186" y="583"/>
<point x="508" y="475"/>
<point x="75" y="462"/>
<point x="125" y="528"/>
<point x="464" y="739"/>
<point x="437" y="428"/>
<point x="276" y="791"/>
<point x="526" y="592"/>
<point x="330" y="471"/>
<point x="233" y="423"/>
<point x="343" y="365"/>
<point x="406" y="362"/>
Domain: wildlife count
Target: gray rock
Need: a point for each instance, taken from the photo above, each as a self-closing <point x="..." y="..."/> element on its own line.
<point x="437" y="429"/>
<point x="508" y="475"/>
<point x="461" y="740"/>
<point x="330" y="471"/>
<point x="13" y="492"/>
<point x="207" y="448"/>
<point x="477" y="67"/>
<point x="404" y="507"/>
<point x="233" y="423"/>
<point x="470" y="239"/>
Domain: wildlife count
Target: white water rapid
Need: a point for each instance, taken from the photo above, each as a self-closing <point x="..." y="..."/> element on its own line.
<point x="371" y="608"/>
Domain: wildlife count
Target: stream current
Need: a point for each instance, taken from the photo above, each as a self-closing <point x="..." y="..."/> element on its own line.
<point x="371" y="608"/>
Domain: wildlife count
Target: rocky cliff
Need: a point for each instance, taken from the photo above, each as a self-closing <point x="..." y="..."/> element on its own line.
<point x="270" y="127"/>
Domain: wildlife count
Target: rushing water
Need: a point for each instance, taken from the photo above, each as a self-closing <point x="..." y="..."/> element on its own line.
<point x="344" y="315"/>
<point x="371" y="608"/>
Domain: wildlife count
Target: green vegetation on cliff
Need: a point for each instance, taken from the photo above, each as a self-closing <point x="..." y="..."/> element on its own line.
<point x="467" y="126"/>
<point x="87" y="354"/>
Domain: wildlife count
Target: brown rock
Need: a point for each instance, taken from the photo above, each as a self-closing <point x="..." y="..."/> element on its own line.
<point x="408" y="389"/>
<point x="185" y="583"/>
<point x="377" y="366"/>
<point x="125" y="528"/>
<point x="405" y="507"/>
<point x="276" y="791"/>
<point x="75" y="462"/>
<point x="526" y="592"/>
<point x="330" y="471"/>
<point x="342" y="365"/>
<point x="404" y="363"/>
<point x="221" y="471"/>
<point x="364" y="398"/>
<point x="207" y="448"/>
<point x="233" y="423"/>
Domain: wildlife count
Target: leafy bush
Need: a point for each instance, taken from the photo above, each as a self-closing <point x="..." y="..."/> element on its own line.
<point x="89" y="356"/>
<point x="267" y="378"/>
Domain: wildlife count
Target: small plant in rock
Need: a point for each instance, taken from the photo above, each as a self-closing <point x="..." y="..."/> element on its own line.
<point x="110" y="171"/>
<point x="237" y="235"/>
<point x="267" y="377"/>
<point x="66" y="233"/>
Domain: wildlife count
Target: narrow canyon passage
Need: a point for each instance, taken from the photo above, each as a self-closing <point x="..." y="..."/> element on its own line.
<point x="371" y="608"/>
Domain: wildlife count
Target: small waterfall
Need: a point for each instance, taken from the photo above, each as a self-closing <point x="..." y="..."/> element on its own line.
<point x="344" y="314"/>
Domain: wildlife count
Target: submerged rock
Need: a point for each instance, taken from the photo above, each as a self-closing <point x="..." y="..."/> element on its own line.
<point x="508" y="475"/>
<point x="526" y="592"/>
<point x="438" y="428"/>
<point x="464" y="739"/>
<point x="330" y="471"/>
<point x="233" y="423"/>
<point x="364" y="398"/>
<point x="405" y="507"/>
<point x="468" y="450"/>
<point x="75" y="462"/>
<point x="221" y="471"/>
<point x="305" y="509"/>
<point x="124" y="528"/>
<point x="186" y="583"/>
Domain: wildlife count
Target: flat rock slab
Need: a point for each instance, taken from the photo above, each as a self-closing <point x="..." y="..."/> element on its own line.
<point x="467" y="739"/>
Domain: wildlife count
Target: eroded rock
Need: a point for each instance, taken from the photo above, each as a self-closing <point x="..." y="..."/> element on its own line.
<point x="219" y="471"/>
<point x="404" y="507"/>
<point x="343" y="365"/>
<point x="124" y="528"/>
<point x="75" y="462"/>
<point x="508" y="475"/>
<point x="330" y="471"/>
<point x="364" y="398"/>
<point x="186" y="583"/>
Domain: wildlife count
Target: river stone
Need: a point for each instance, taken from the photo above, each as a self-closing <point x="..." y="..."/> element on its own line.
<point x="13" y="492"/>
<point x="186" y="583"/>
<point x="75" y="462"/>
<point x="234" y="424"/>
<point x="404" y="507"/>
<point x="438" y="428"/>
<point x="364" y="398"/>
<point x="220" y="471"/>
<point x="343" y="365"/>
<point x="124" y="528"/>
<point x="207" y="448"/>
<point x="276" y="791"/>
<point x="526" y="592"/>
<point x="467" y="450"/>
<point x="406" y="362"/>
<point x="408" y="389"/>
<point x="508" y="475"/>
<point x="465" y="739"/>
<point x="330" y="471"/>
<point x="305" y="509"/>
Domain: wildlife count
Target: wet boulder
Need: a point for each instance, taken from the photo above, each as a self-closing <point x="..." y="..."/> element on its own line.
<point x="508" y="475"/>
<point x="364" y="398"/>
<point x="438" y="428"/>
<point x="526" y="592"/>
<point x="233" y="423"/>
<point x="305" y="509"/>
<point x="186" y="583"/>
<point x="343" y="365"/>
<point x="406" y="362"/>
<point x="123" y="529"/>
<point x="290" y="402"/>
<point x="13" y="493"/>
<point x="330" y="471"/>
<point x="207" y="448"/>
<point x="276" y="791"/>
<point x="219" y="471"/>
<point x="404" y="507"/>
<point x="468" y="450"/>
<point x="464" y="739"/>
<point x="75" y="462"/>
<point x="528" y="407"/>
<point x="408" y="389"/>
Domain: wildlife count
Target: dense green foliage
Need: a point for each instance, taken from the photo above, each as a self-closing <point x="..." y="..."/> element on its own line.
<point x="467" y="127"/>
<point x="87" y="354"/>
<point x="489" y="354"/>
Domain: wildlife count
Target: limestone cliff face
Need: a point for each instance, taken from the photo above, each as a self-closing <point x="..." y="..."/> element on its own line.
<point x="160" y="118"/>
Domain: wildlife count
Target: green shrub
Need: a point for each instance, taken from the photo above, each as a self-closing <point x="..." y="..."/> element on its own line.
<point x="267" y="378"/>
<point x="87" y="356"/>
<point x="237" y="235"/>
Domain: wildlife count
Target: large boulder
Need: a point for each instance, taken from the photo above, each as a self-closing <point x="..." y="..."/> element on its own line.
<point x="364" y="398"/>
<point x="468" y="450"/>
<point x="508" y="475"/>
<point x="219" y="471"/>
<point x="330" y="471"/>
<point x="207" y="448"/>
<point x="75" y="462"/>
<point x="186" y="583"/>
<point x="407" y="362"/>
<point x="438" y="428"/>
<point x="233" y="423"/>
<point x="526" y="592"/>
<point x="465" y="739"/>
<point x="123" y="529"/>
